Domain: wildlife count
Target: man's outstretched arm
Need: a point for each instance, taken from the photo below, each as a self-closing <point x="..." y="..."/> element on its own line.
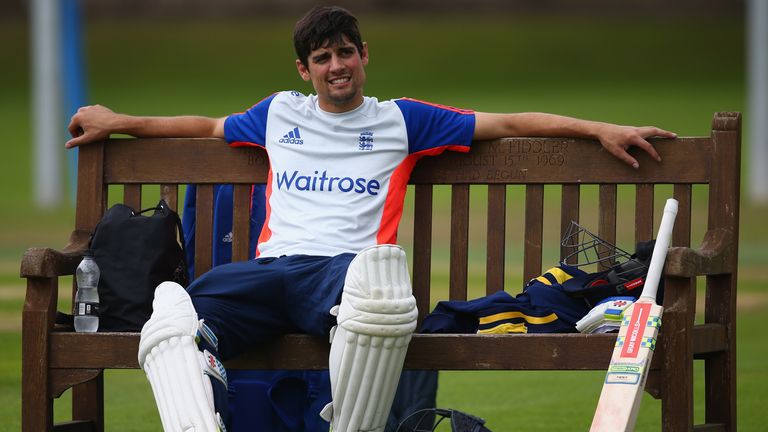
<point x="95" y="123"/>
<point x="615" y="139"/>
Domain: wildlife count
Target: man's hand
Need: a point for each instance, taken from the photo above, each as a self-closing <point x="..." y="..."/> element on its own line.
<point x="91" y="123"/>
<point x="618" y="139"/>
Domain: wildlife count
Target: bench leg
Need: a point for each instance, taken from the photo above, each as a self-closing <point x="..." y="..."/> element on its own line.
<point x="720" y="368"/>
<point x="677" y="372"/>
<point x="88" y="402"/>
<point x="37" y="322"/>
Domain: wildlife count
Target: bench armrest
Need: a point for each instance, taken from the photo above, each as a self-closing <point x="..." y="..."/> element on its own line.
<point x="50" y="263"/>
<point x="714" y="256"/>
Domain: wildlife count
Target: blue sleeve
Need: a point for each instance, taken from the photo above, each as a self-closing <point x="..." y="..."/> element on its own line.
<point x="250" y="127"/>
<point x="436" y="127"/>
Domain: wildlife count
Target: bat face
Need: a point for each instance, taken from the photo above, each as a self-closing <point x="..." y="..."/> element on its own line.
<point x="625" y="379"/>
<point x="638" y="330"/>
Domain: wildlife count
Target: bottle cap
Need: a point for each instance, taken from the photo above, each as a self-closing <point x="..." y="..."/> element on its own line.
<point x="88" y="253"/>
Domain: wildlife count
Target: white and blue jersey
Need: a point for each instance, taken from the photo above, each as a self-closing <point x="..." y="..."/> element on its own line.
<point x="337" y="181"/>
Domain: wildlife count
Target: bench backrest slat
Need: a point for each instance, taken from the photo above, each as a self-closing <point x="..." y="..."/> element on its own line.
<point x="606" y="223"/>
<point x="170" y="193"/>
<point x="154" y="161"/>
<point x="534" y="231"/>
<point x="182" y="160"/>
<point x="203" y="228"/>
<point x="132" y="196"/>
<point x="643" y="212"/>
<point x="569" y="212"/>
<point x="496" y="235"/>
<point x="422" y="248"/>
<point x="457" y="285"/>
<point x="681" y="236"/>
<point x="241" y="226"/>
<point x="564" y="161"/>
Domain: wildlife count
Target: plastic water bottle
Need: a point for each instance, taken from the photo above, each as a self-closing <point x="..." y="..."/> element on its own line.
<point x="87" y="296"/>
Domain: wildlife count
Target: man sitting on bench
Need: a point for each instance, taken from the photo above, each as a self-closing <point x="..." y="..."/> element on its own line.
<point x="327" y="263"/>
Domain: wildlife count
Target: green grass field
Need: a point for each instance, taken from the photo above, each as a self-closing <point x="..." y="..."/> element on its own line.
<point x="670" y="73"/>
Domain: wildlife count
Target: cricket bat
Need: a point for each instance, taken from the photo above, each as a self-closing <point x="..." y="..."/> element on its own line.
<point x="625" y="380"/>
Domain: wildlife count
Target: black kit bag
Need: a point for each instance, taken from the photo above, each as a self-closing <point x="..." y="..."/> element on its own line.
<point x="135" y="253"/>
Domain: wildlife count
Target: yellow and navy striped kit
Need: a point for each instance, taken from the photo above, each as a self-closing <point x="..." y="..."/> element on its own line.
<point x="544" y="306"/>
<point x="550" y="303"/>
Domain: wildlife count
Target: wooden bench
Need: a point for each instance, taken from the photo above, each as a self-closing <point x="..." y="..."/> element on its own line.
<point x="55" y="360"/>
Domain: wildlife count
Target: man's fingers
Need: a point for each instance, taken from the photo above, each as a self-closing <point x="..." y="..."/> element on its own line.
<point x="622" y="154"/>
<point x="645" y="145"/>
<point x="631" y="161"/>
<point x="74" y="142"/>
<point x="618" y="139"/>
<point x="651" y="131"/>
<point x="80" y="138"/>
<point x="665" y="133"/>
<point x="74" y="128"/>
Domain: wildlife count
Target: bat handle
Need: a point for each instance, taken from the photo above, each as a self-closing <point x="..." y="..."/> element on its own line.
<point x="663" y="239"/>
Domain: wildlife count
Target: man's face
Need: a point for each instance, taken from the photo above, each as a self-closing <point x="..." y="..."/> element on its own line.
<point x="337" y="73"/>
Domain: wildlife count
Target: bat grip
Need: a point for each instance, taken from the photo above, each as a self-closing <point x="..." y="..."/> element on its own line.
<point x="663" y="240"/>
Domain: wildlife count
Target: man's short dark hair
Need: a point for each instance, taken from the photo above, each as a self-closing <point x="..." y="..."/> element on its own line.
<point x="325" y="26"/>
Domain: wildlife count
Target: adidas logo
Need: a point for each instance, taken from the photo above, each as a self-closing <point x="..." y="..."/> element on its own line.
<point x="227" y="238"/>
<point x="292" y="137"/>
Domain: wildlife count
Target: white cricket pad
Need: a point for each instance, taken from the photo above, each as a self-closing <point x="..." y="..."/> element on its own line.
<point x="178" y="371"/>
<point x="376" y="319"/>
